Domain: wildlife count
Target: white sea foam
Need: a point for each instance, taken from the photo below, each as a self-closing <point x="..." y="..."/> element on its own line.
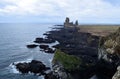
<point x="41" y="77"/>
<point x="13" y="69"/>
<point x="94" y="77"/>
<point x="50" y="60"/>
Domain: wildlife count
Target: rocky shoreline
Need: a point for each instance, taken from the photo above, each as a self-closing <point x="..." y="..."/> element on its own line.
<point x="96" y="60"/>
<point x="78" y="55"/>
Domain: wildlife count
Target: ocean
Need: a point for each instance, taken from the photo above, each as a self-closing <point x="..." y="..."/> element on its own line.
<point x="13" y="41"/>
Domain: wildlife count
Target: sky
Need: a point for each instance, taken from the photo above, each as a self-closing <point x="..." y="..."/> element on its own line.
<point x="55" y="11"/>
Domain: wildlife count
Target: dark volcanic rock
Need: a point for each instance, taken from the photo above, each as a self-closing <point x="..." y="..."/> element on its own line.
<point x="49" y="50"/>
<point x="109" y="57"/>
<point x="105" y="70"/>
<point x="82" y="45"/>
<point x="23" y="67"/>
<point x="38" y="40"/>
<point x="42" y="40"/>
<point x="37" y="66"/>
<point x="44" y="47"/>
<point x="50" y="76"/>
<point x="32" y="46"/>
<point x="73" y="42"/>
<point x="34" y="66"/>
<point x="56" y="46"/>
<point x="49" y="40"/>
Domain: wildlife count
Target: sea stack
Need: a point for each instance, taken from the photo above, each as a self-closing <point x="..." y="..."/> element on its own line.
<point x="67" y="23"/>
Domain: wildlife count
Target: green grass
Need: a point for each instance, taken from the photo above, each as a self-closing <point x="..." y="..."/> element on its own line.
<point x="69" y="62"/>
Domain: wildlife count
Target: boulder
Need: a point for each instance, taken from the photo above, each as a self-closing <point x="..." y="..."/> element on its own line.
<point x="50" y="75"/>
<point x="23" y="67"/>
<point x="34" y="66"/>
<point x="37" y="66"/>
<point x="42" y="40"/>
<point x="56" y="46"/>
<point x="49" y="50"/>
<point x="49" y="40"/>
<point x="44" y="47"/>
<point x="32" y="46"/>
<point x="38" y="40"/>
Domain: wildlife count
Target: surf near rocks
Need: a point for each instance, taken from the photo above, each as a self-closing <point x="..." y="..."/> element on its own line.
<point x="35" y="66"/>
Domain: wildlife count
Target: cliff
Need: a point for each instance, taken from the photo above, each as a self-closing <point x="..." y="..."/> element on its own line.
<point x="63" y="64"/>
<point x="70" y="67"/>
<point x="75" y="66"/>
<point x="82" y="55"/>
<point x="110" y="45"/>
<point x="109" y="52"/>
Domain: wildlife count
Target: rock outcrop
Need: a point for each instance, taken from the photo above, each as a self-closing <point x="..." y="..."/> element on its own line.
<point x="44" y="40"/>
<point x="73" y="42"/>
<point x="71" y="67"/>
<point x="32" y="46"/>
<point x="44" y="47"/>
<point x="36" y="67"/>
<point x="101" y="60"/>
<point x="67" y="23"/>
<point x="109" y="53"/>
<point x="79" y="55"/>
<point x="110" y="48"/>
<point x="50" y="75"/>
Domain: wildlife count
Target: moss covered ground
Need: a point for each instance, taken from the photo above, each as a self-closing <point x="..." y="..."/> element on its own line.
<point x="69" y="62"/>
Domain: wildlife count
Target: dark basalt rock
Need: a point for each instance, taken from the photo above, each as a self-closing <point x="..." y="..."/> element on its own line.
<point x="34" y="66"/>
<point x="49" y="40"/>
<point x="37" y="66"/>
<point x="49" y="50"/>
<point x="23" y="67"/>
<point x="32" y="46"/>
<point x="82" y="45"/>
<point x="44" y="47"/>
<point x="56" y="46"/>
<point x="38" y="40"/>
<point x="50" y="76"/>
<point x="105" y="70"/>
<point x="42" y="40"/>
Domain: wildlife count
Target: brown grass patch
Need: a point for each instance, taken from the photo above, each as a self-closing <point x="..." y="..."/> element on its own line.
<point x="99" y="30"/>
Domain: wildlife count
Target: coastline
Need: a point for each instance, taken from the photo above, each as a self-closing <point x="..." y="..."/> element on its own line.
<point x="73" y="43"/>
<point x="96" y="64"/>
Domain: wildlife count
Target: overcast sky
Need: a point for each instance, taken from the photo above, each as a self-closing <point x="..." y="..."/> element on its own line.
<point x="47" y="11"/>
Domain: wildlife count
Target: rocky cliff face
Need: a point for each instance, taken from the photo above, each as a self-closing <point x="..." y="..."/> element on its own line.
<point x="64" y="64"/>
<point x="110" y="47"/>
<point x="81" y="57"/>
<point x="74" y="45"/>
<point x="109" y="52"/>
<point x="71" y="67"/>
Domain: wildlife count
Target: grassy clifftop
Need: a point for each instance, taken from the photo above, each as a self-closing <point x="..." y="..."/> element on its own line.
<point x="69" y="62"/>
<point x="111" y="43"/>
<point x="99" y="30"/>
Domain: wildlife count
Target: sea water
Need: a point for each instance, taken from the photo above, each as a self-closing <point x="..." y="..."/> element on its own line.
<point x="13" y="41"/>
